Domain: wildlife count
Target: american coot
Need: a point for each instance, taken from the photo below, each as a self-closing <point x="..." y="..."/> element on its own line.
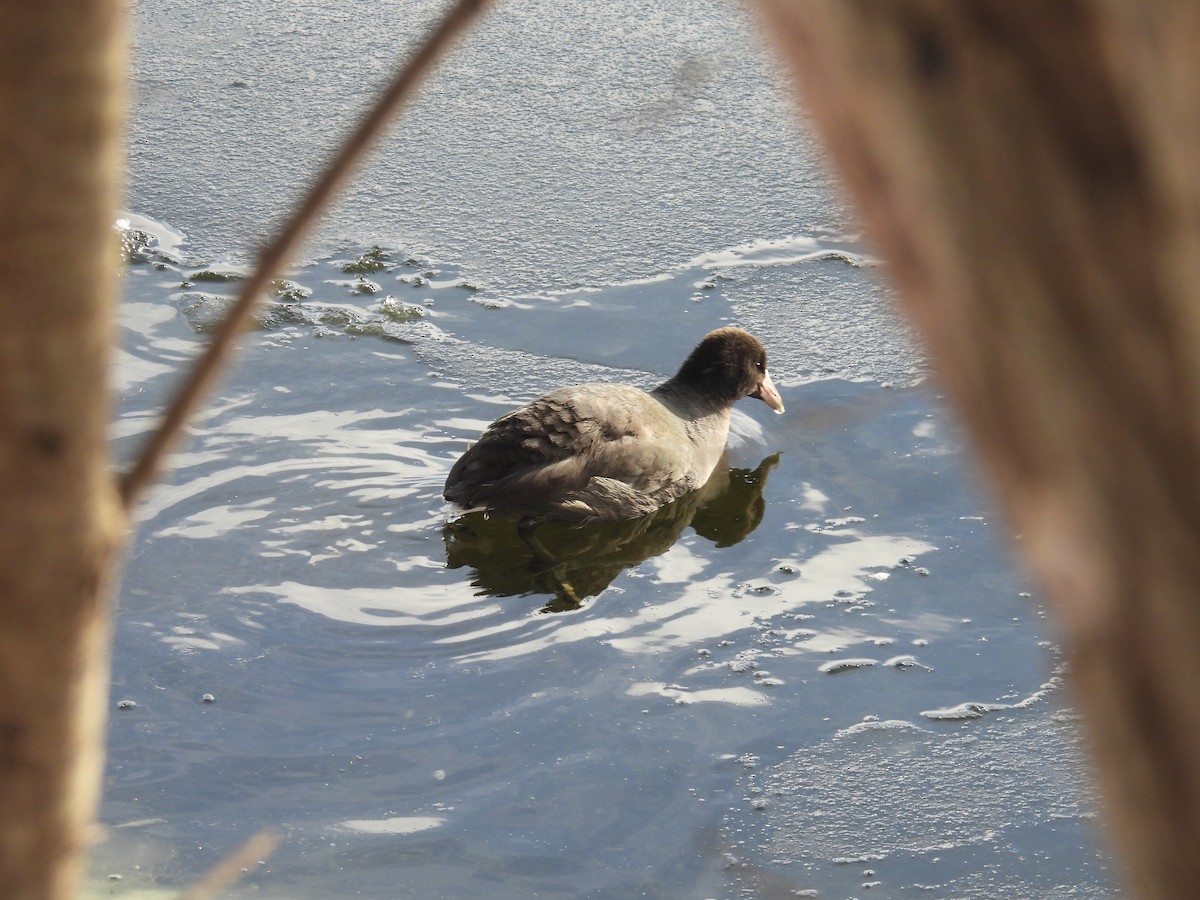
<point x="610" y="451"/>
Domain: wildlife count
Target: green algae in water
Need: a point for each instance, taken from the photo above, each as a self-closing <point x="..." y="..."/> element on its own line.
<point x="208" y="275"/>
<point x="366" y="329"/>
<point x="135" y="246"/>
<point x="289" y="292"/>
<point x="374" y="260"/>
<point x="336" y="316"/>
<point x="280" y="315"/>
<point x="398" y="311"/>
<point x="204" y="312"/>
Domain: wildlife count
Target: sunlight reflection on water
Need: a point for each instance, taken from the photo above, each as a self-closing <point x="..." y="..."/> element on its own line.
<point x="300" y="568"/>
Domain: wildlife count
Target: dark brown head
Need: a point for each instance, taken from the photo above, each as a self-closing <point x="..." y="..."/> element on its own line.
<point x="730" y="363"/>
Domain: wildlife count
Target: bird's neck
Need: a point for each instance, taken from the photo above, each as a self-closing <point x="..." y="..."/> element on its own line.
<point x="691" y="401"/>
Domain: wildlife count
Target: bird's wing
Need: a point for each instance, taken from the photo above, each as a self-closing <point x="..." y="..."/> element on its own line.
<point x="556" y="444"/>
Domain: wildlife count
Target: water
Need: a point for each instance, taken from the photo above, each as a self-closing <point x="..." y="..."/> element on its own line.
<point x="826" y="666"/>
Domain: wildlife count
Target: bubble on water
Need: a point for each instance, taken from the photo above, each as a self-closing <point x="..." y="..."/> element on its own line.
<point x="126" y="704"/>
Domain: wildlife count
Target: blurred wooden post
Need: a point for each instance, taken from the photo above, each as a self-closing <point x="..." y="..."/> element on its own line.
<point x="61" y="110"/>
<point x="1030" y="171"/>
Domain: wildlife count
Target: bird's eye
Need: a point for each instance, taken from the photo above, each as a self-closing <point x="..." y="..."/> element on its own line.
<point x="761" y="366"/>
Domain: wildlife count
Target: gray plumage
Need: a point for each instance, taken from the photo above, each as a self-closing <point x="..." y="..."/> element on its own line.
<point x="611" y="451"/>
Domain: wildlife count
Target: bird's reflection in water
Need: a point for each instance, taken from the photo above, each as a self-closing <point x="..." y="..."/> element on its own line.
<point x="588" y="557"/>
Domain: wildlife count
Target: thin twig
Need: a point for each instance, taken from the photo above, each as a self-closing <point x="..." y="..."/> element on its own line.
<point x="232" y="867"/>
<point x="280" y="250"/>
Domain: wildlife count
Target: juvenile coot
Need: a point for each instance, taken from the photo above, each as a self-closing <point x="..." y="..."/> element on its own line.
<point x="611" y="451"/>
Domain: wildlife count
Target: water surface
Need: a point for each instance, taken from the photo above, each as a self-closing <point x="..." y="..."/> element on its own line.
<point x="827" y="676"/>
<point x="315" y="642"/>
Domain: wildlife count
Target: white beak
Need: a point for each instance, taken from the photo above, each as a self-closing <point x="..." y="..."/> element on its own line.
<point x="768" y="394"/>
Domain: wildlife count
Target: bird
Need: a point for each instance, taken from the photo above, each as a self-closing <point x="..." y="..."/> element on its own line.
<point x="608" y="452"/>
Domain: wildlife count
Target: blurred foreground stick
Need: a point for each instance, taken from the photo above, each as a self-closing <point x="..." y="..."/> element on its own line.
<point x="1029" y="172"/>
<point x="62" y="104"/>
<point x="63" y="520"/>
